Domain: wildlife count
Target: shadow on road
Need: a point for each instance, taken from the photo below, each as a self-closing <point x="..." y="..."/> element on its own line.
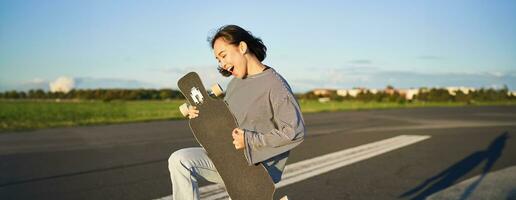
<point x="450" y="175"/>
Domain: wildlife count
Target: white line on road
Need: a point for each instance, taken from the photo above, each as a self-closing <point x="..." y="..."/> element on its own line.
<point x="315" y="166"/>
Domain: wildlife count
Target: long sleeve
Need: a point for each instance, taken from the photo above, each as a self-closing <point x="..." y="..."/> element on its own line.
<point x="288" y="130"/>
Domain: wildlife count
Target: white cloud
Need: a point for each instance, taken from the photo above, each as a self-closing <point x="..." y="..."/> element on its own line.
<point x="349" y="77"/>
<point x="62" y="84"/>
<point x="496" y="74"/>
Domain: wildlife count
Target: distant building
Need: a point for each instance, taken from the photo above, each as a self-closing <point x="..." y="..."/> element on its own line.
<point x="453" y="90"/>
<point x="390" y="90"/>
<point x="408" y="93"/>
<point x="323" y="92"/>
<point x="351" y="92"/>
<point x="424" y="89"/>
<point x="411" y="93"/>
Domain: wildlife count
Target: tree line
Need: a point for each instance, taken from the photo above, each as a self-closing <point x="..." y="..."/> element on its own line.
<point x="424" y="95"/>
<point x="96" y="94"/>
<point x="430" y="95"/>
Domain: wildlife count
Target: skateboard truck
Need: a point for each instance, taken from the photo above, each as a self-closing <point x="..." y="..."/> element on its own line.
<point x="216" y="91"/>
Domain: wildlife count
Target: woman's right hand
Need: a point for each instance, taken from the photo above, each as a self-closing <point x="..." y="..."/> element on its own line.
<point x="192" y="112"/>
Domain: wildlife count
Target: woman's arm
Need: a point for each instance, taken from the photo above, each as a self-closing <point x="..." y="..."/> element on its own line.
<point x="289" y="122"/>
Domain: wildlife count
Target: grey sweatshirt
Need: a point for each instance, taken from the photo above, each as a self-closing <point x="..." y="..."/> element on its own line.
<point x="265" y="108"/>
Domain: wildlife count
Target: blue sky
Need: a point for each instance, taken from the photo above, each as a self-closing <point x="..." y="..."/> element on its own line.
<point x="313" y="44"/>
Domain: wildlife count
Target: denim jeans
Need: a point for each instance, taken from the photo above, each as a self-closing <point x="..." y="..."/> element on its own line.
<point x="186" y="167"/>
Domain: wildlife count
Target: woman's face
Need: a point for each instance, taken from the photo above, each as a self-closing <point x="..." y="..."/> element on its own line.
<point x="231" y="57"/>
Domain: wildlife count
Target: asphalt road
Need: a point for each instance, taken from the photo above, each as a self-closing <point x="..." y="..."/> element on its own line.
<point x="129" y="161"/>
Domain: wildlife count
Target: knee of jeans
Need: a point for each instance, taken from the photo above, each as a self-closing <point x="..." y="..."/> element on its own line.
<point x="176" y="159"/>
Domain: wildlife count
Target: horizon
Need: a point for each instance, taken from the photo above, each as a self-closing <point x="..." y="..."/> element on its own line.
<point x="65" y="84"/>
<point x="330" y="44"/>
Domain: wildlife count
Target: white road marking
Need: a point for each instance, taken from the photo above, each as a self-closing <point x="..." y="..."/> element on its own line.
<point x="315" y="166"/>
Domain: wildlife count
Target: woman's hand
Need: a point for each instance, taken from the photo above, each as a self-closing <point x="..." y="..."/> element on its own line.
<point x="192" y="112"/>
<point x="238" y="138"/>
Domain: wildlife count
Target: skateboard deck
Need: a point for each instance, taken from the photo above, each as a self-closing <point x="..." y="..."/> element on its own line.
<point x="212" y="130"/>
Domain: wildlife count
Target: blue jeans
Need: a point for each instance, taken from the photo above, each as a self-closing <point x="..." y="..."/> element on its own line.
<point x="186" y="167"/>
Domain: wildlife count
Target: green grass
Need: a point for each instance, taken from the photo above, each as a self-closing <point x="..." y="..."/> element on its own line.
<point x="19" y="115"/>
<point x="23" y="115"/>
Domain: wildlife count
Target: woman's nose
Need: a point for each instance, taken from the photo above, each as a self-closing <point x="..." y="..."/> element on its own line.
<point x="223" y="65"/>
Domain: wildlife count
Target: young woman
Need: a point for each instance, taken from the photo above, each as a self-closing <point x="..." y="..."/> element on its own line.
<point x="261" y="100"/>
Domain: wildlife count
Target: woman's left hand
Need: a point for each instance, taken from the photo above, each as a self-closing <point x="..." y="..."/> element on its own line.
<point x="238" y="138"/>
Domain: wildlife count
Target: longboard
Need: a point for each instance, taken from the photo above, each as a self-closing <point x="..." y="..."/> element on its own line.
<point x="212" y="130"/>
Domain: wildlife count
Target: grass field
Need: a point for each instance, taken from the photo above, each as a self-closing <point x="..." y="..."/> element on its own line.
<point x="16" y="115"/>
<point x="23" y="115"/>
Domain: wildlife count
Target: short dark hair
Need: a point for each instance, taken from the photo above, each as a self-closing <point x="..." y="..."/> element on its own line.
<point x="234" y="34"/>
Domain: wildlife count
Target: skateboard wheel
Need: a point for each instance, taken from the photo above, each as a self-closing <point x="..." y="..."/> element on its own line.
<point x="184" y="109"/>
<point x="284" y="198"/>
<point x="216" y="90"/>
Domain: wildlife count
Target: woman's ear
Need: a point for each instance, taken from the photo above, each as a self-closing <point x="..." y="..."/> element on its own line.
<point x="242" y="47"/>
